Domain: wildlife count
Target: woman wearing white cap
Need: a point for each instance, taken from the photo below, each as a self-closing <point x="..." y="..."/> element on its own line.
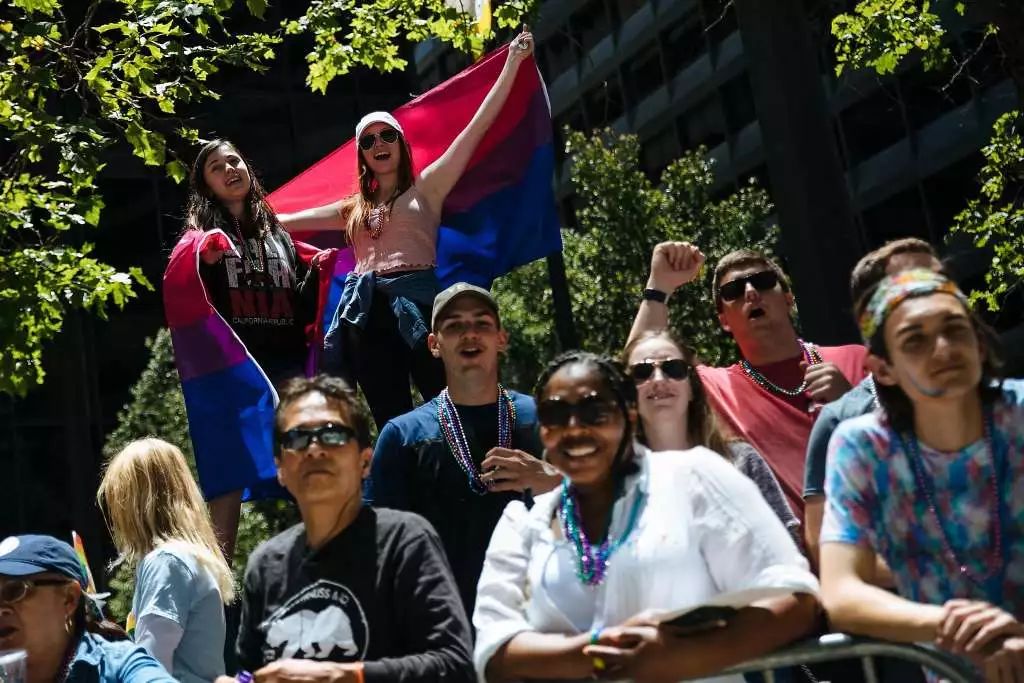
<point x="392" y="224"/>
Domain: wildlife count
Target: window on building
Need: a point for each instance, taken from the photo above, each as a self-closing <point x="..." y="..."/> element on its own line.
<point x="987" y="66"/>
<point x="682" y="42"/>
<point x="627" y="8"/>
<point x="738" y="103"/>
<point x="644" y="74"/>
<point x="703" y="124"/>
<point x="719" y="19"/>
<point x="872" y="125"/>
<point x="604" y="103"/>
<point x="946" y="192"/>
<point x="929" y="94"/>
<point x="901" y="215"/>
<point x="659" y="151"/>
<point x="560" y="55"/>
<point x="591" y="24"/>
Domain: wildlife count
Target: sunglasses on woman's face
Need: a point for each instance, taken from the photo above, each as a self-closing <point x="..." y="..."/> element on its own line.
<point x="762" y="282"/>
<point x="330" y="435"/>
<point x="673" y="368"/>
<point x="388" y="135"/>
<point x="16" y="590"/>
<point x="591" y="411"/>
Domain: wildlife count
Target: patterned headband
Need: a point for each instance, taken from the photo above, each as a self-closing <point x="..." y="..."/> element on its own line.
<point x="895" y="289"/>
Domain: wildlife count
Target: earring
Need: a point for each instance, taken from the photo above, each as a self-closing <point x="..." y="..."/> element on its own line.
<point x="69" y="624"/>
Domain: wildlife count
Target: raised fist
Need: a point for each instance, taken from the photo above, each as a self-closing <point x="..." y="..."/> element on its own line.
<point x="674" y="264"/>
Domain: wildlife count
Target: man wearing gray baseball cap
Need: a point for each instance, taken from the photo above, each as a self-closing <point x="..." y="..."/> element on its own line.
<point x="460" y="458"/>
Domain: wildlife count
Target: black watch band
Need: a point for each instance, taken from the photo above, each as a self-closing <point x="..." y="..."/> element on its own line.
<point x="655" y="295"/>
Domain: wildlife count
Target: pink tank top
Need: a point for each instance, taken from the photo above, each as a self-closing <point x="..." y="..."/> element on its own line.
<point x="408" y="237"/>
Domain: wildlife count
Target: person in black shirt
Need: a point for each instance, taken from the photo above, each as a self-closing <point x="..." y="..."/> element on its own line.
<point x="352" y="593"/>
<point x="460" y="458"/>
<point x="254" y="279"/>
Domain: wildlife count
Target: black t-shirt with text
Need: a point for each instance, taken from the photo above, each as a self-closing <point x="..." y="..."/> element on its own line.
<point x="261" y="299"/>
<point x="380" y="592"/>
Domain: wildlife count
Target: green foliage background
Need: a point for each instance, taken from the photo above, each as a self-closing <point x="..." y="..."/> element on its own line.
<point x="621" y="215"/>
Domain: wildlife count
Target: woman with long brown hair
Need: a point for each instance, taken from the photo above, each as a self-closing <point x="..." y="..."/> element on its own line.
<point x="675" y="414"/>
<point x="253" y="277"/>
<point x="378" y="337"/>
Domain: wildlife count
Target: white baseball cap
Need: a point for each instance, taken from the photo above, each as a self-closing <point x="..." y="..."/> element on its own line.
<point x="377" y="117"/>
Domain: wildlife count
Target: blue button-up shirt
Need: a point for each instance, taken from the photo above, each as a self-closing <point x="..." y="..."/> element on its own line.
<point x="101" y="661"/>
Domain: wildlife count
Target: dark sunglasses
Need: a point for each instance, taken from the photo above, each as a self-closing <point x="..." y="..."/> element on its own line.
<point x="330" y="434"/>
<point x="16" y="590"/>
<point x="591" y="411"/>
<point x="673" y="368"/>
<point x="389" y="135"/>
<point x="734" y="289"/>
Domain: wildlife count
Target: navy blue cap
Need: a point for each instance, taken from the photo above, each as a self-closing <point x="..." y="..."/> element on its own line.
<point x="32" y="554"/>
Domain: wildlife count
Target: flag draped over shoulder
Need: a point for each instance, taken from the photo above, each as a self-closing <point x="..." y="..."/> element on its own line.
<point x="501" y="214"/>
<point x="229" y="400"/>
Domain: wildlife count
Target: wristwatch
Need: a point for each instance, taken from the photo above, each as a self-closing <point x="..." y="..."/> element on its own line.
<point x="655" y="295"/>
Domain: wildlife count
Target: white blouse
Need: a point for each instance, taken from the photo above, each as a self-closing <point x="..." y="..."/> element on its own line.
<point x="703" y="529"/>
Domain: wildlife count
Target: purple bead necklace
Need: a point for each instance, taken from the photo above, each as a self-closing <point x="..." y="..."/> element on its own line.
<point x="591" y="563"/>
<point x="451" y="426"/>
<point x="926" y="487"/>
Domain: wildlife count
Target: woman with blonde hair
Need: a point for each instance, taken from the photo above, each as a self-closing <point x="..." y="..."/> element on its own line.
<point x="160" y="523"/>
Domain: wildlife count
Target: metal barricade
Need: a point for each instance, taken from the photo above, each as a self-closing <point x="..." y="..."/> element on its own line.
<point x="838" y="646"/>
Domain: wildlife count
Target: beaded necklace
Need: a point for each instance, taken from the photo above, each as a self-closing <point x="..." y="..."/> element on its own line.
<point x="375" y="221"/>
<point x="257" y="270"/>
<point x="925" y="486"/>
<point x="812" y="357"/>
<point x="591" y="563"/>
<point x="451" y="426"/>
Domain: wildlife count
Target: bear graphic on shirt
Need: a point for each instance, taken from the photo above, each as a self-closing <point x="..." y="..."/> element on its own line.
<point x="323" y="621"/>
<point x="316" y="634"/>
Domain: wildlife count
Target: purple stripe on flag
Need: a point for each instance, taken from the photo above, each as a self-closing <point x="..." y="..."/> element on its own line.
<point x="506" y="163"/>
<point x="206" y="347"/>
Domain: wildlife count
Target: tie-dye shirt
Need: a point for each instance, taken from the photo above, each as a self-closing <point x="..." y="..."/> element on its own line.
<point x="873" y="500"/>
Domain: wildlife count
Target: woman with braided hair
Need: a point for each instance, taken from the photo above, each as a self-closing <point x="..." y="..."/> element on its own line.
<point x="566" y="584"/>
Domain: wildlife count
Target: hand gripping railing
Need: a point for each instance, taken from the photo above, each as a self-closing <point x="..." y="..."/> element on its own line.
<point x="836" y="646"/>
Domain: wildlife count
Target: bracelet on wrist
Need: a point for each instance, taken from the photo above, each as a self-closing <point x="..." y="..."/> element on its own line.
<point x="655" y="295"/>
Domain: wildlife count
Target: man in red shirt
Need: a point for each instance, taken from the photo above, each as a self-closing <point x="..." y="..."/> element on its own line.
<point x="771" y="397"/>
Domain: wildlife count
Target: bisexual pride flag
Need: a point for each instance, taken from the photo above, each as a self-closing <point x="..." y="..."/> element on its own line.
<point x="501" y="214"/>
<point x="229" y="400"/>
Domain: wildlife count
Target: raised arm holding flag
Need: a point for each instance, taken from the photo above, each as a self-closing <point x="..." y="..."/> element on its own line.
<point x="480" y="204"/>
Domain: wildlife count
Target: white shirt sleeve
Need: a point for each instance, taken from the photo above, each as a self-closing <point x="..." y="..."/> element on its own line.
<point x="743" y="542"/>
<point x="501" y="596"/>
<point x="160" y="636"/>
